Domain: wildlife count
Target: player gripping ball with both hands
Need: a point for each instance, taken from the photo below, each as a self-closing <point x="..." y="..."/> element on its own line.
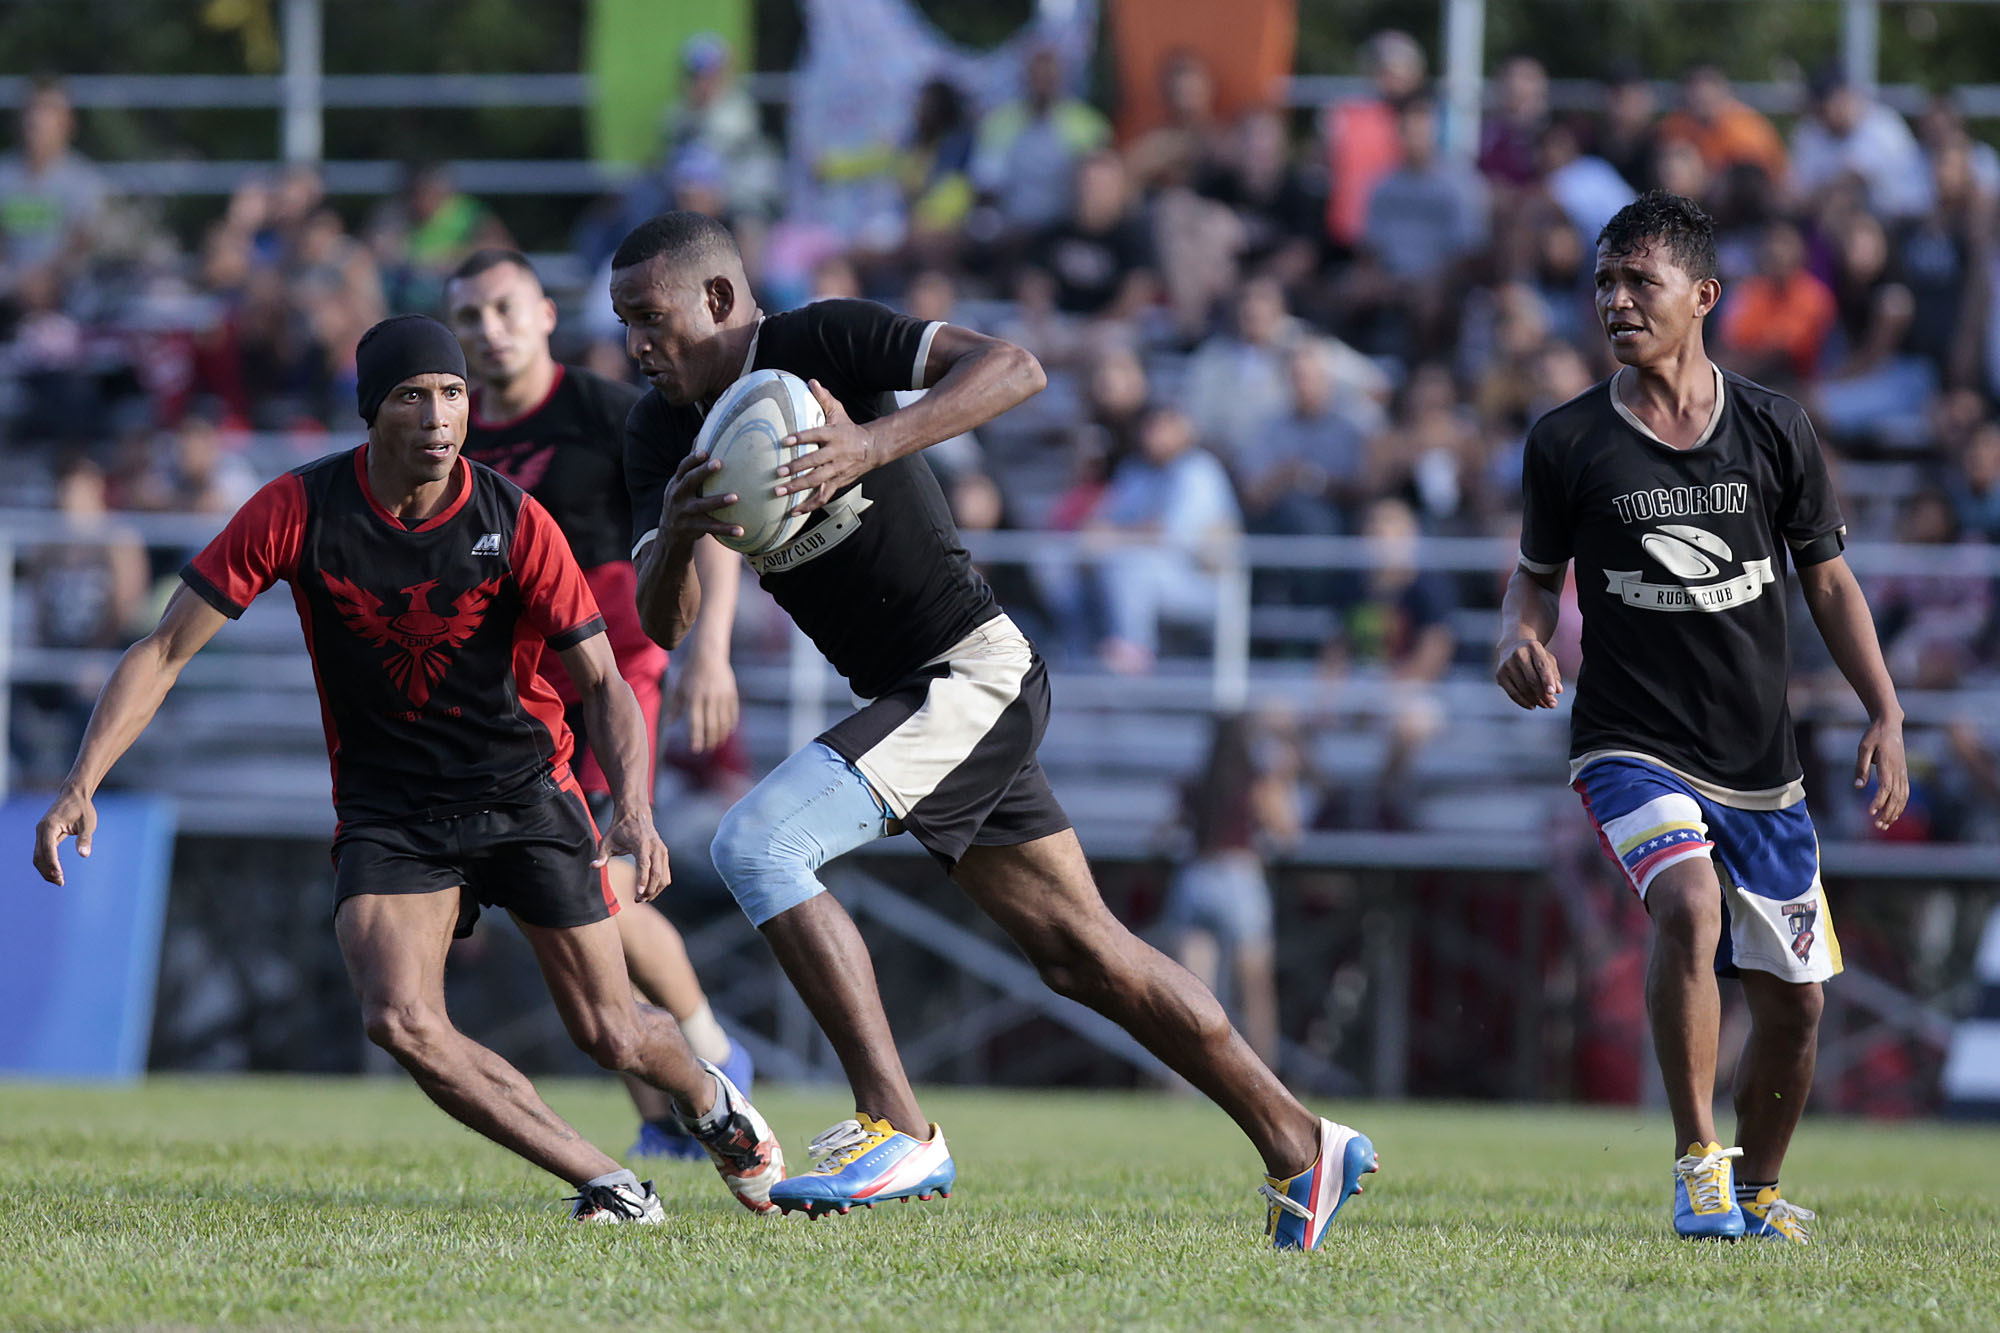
<point x="945" y="747"/>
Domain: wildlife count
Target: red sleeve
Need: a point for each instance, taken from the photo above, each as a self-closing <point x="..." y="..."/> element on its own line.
<point x="557" y="600"/>
<point x="259" y="546"/>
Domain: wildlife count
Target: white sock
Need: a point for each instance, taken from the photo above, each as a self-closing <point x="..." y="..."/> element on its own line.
<point x="705" y="1036"/>
<point x="622" y="1176"/>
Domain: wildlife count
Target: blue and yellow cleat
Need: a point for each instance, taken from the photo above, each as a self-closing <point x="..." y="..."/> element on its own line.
<point x="863" y="1162"/>
<point x="1301" y="1208"/>
<point x="1705" y="1194"/>
<point x="1770" y="1217"/>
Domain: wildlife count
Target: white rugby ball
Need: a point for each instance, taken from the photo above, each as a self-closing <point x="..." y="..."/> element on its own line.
<point x="743" y="432"/>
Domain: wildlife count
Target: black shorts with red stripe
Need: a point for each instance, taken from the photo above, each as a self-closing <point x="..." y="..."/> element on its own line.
<point x="532" y="860"/>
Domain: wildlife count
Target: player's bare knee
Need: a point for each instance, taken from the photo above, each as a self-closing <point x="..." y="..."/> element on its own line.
<point x="1686" y="909"/>
<point x="1078" y="962"/>
<point x="1791" y="1011"/>
<point x="405" y="1029"/>
<point x="613" y="1041"/>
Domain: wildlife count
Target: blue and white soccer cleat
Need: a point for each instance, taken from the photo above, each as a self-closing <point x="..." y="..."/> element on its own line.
<point x="863" y="1162"/>
<point x="1705" y="1194"/>
<point x="1302" y="1207"/>
<point x="1770" y="1217"/>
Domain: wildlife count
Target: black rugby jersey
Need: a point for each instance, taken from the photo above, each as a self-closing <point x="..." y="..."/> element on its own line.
<point x="1680" y="577"/>
<point x="878" y="580"/>
<point x="568" y="452"/>
<point x="425" y="641"/>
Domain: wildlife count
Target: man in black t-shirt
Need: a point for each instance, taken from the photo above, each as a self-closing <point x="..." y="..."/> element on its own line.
<point x="946" y="745"/>
<point x="558" y="433"/>
<point x="429" y="587"/>
<point x="1679" y="490"/>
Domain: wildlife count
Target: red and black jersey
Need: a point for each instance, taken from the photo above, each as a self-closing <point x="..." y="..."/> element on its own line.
<point x="425" y="640"/>
<point x="568" y="452"/>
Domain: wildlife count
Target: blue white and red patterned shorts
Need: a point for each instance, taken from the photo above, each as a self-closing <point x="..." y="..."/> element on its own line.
<point x="1767" y="861"/>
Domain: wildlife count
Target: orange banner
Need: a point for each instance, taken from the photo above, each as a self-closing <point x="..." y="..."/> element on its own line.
<point x="1247" y="45"/>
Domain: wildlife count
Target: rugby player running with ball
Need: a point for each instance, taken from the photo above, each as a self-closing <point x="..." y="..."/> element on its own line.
<point x="945" y="747"/>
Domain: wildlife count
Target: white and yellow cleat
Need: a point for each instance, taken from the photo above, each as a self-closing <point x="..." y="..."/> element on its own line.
<point x="1770" y="1217"/>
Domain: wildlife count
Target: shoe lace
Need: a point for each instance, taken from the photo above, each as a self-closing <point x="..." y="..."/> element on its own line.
<point x="619" y="1199"/>
<point x="835" y="1147"/>
<point x="1788" y="1217"/>
<point x="1706" y="1178"/>
<point x="1281" y="1201"/>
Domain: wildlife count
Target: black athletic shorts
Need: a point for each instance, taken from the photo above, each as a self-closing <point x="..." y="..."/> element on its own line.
<point x="951" y="749"/>
<point x="532" y="860"/>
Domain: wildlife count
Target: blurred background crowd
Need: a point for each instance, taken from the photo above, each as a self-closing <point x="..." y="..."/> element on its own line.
<point x="1257" y="318"/>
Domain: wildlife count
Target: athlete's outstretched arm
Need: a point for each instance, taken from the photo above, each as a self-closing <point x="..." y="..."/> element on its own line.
<point x="1841" y="611"/>
<point x="626" y="754"/>
<point x="972" y="379"/>
<point x="1524" y="666"/>
<point x="704" y="684"/>
<point x="669" y="585"/>
<point x="130" y="698"/>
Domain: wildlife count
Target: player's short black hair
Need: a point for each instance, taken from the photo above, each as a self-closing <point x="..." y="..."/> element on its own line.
<point x="683" y="236"/>
<point x="493" y="256"/>
<point x="1672" y="220"/>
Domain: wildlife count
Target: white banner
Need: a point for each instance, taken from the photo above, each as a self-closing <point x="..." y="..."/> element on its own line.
<point x="1745" y="587"/>
<point x="843" y="520"/>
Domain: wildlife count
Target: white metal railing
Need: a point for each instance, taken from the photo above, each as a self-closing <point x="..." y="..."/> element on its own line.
<point x="808" y="689"/>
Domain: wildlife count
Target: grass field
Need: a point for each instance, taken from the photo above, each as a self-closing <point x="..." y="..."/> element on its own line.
<point x="352" y="1203"/>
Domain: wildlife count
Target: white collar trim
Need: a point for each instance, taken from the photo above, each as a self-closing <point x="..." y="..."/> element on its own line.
<point x="1632" y="418"/>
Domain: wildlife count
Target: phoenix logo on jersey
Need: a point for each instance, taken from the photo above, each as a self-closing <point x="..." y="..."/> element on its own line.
<point x="1691" y="555"/>
<point x="524" y="462"/>
<point x="419" y="639"/>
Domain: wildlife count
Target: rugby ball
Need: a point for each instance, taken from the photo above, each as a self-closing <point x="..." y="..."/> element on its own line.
<point x="743" y="433"/>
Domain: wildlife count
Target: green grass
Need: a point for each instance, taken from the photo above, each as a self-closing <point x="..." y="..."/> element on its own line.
<point x="352" y="1203"/>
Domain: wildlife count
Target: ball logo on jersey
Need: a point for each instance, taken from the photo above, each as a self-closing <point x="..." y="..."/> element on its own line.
<point x="1685" y="550"/>
<point x="1692" y="555"/>
<point x="419" y="638"/>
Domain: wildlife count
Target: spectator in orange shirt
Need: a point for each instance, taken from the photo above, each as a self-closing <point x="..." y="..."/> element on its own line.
<point x="1779" y="316"/>
<point x="1363" y="136"/>
<point x="1725" y="131"/>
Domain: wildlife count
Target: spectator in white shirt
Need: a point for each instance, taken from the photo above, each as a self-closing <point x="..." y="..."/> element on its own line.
<point x="1849" y="133"/>
<point x="1174" y="503"/>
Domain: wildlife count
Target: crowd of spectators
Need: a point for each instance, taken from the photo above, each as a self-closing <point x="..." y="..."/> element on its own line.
<point x="1286" y="321"/>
